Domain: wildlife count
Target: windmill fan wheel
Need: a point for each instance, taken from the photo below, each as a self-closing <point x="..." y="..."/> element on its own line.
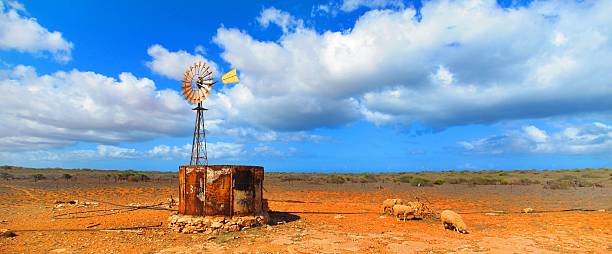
<point x="197" y="82"/>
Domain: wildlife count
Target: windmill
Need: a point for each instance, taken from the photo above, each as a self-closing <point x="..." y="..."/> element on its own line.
<point x="196" y="86"/>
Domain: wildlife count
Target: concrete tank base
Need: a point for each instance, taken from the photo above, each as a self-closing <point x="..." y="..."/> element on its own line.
<point x="221" y="190"/>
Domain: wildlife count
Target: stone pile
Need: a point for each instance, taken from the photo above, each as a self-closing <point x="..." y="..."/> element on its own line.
<point x="214" y="224"/>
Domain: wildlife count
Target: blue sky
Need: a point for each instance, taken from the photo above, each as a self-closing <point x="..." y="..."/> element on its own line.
<point x="326" y="86"/>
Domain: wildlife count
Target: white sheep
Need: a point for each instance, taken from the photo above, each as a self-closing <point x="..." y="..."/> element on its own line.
<point x="389" y="203"/>
<point x="404" y="210"/>
<point x="452" y="220"/>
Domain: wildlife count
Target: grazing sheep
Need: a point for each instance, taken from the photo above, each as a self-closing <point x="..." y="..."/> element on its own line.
<point x="418" y="207"/>
<point x="528" y="210"/>
<point x="389" y="203"/>
<point x="452" y="220"/>
<point x="404" y="210"/>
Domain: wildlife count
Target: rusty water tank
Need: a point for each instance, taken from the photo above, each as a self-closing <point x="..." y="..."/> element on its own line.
<point x="221" y="190"/>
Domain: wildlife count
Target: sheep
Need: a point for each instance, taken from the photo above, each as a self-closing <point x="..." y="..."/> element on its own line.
<point x="418" y="207"/>
<point x="528" y="210"/>
<point x="452" y="220"/>
<point x="404" y="210"/>
<point x="389" y="203"/>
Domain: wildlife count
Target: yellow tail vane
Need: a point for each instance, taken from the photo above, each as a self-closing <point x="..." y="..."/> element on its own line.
<point x="230" y="77"/>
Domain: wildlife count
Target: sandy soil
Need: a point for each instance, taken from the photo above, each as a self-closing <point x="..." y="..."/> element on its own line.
<point x="311" y="218"/>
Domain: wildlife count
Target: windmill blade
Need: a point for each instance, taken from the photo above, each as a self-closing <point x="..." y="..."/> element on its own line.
<point x="196" y="96"/>
<point x="207" y="74"/>
<point x="189" y="93"/>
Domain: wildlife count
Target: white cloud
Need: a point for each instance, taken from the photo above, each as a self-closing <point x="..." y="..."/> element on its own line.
<point x="280" y="18"/>
<point x="59" y="109"/>
<point x="582" y="139"/>
<point x="216" y="150"/>
<point x="535" y="134"/>
<point x="173" y="64"/>
<point x="463" y="62"/>
<point x="351" y="5"/>
<point x="114" y="152"/>
<point x="25" y="34"/>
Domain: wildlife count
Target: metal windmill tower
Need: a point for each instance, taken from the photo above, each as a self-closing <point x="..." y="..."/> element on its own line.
<point x="196" y="86"/>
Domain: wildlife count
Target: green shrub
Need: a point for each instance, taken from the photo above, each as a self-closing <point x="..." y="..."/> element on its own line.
<point x="439" y="181"/>
<point x="484" y="181"/>
<point x="403" y="178"/>
<point x="369" y="178"/>
<point x="525" y="181"/>
<point x="567" y="181"/>
<point x="419" y="181"/>
<point x="336" y="179"/>
<point x="38" y="177"/>
<point x="558" y="184"/>
<point x="459" y="180"/>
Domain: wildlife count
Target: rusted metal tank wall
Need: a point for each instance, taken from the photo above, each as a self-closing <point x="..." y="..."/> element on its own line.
<point x="220" y="190"/>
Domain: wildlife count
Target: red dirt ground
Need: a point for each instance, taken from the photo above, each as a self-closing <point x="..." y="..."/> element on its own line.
<point x="330" y="218"/>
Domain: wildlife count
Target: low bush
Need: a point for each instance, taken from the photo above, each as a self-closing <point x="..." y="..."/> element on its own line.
<point x="459" y="180"/>
<point x="404" y="178"/>
<point x="369" y="178"/>
<point x="131" y="176"/>
<point x="67" y="176"/>
<point x="439" y="181"/>
<point x="524" y="181"/>
<point x="336" y="179"/>
<point x="294" y="178"/>
<point x="484" y="181"/>
<point x="38" y="177"/>
<point x="138" y="177"/>
<point x="6" y="176"/>
<point x="421" y="182"/>
<point x="566" y="182"/>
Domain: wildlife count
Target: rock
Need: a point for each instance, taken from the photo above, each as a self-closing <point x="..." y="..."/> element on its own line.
<point x="216" y="224"/>
<point x="233" y="228"/>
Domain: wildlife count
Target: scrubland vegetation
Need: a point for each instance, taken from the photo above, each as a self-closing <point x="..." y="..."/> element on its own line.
<point x="549" y="179"/>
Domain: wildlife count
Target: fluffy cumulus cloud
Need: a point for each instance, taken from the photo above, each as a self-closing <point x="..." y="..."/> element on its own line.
<point x="173" y="64"/>
<point x="59" y="109"/>
<point x="22" y="33"/>
<point x="462" y="62"/>
<point x="581" y="139"/>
